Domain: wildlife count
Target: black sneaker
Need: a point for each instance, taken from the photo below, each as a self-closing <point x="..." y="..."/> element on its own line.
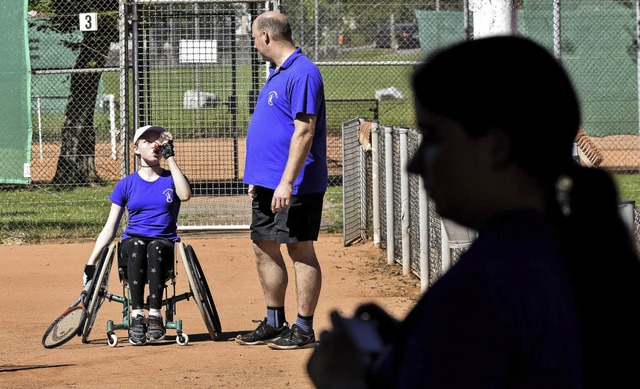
<point x="155" y="329"/>
<point x="294" y="338"/>
<point x="261" y="335"/>
<point x="137" y="335"/>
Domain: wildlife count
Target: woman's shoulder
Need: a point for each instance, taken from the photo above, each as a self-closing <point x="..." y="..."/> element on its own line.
<point x="126" y="180"/>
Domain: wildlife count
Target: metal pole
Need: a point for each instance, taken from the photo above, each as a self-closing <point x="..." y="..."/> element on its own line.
<point x="234" y="104"/>
<point x="136" y="72"/>
<point x="445" y="248"/>
<point x="556" y="30"/>
<point x="362" y="173"/>
<point x="315" y="29"/>
<point x="124" y="87"/>
<point x="424" y="237"/>
<point x="424" y="232"/>
<point x="301" y="23"/>
<point x="465" y="15"/>
<point x="197" y="69"/>
<point x="638" y="53"/>
<point x="404" y="201"/>
<point x="112" y="122"/>
<point x="39" y="128"/>
<point x="375" y="177"/>
<point x="388" y="161"/>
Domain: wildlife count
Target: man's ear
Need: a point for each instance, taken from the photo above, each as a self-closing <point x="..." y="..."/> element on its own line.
<point x="500" y="147"/>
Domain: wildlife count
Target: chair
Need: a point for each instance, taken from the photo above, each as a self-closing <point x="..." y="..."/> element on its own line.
<point x="198" y="290"/>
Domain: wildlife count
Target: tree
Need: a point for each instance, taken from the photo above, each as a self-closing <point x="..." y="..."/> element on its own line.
<point x="76" y="163"/>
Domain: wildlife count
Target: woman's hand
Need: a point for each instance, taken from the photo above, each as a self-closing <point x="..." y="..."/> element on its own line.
<point x="337" y="362"/>
<point x="166" y="146"/>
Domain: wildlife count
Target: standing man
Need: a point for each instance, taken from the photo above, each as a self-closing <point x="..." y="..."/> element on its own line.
<point x="286" y="169"/>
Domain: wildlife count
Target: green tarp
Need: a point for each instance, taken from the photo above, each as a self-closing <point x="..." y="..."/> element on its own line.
<point x="15" y="105"/>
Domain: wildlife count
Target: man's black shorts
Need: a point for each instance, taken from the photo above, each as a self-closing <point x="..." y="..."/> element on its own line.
<point x="298" y="223"/>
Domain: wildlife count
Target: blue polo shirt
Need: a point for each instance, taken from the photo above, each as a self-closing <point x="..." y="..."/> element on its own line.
<point x="152" y="207"/>
<point x="296" y="87"/>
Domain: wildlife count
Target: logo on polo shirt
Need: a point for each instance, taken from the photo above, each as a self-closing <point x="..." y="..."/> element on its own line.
<point x="273" y="94"/>
<point x="168" y="193"/>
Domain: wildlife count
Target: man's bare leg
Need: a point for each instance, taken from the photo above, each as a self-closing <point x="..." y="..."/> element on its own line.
<point x="308" y="276"/>
<point x="272" y="272"/>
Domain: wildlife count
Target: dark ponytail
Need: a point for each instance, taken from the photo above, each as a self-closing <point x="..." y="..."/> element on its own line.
<point x="603" y="267"/>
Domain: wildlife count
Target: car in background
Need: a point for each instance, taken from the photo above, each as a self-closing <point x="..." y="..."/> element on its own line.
<point x="406" y="36"/>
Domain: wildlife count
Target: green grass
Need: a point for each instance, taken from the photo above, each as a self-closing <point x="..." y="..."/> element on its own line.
<point x="38" y="213"/>
<point x="332" y="213"/>
<point x="629" y="187"/>
<point x="34" y="214"/>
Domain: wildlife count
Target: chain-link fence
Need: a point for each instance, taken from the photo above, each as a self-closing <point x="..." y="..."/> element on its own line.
<point x="384" y="202"/>
<point x="76" y="95"/>
<point x="102" y="67"/>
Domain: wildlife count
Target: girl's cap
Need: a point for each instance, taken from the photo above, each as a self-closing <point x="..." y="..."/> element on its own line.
<point x="140" y="131"/>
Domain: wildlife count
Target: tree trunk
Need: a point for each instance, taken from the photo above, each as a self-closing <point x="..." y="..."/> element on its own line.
<point x="76" y="163"/>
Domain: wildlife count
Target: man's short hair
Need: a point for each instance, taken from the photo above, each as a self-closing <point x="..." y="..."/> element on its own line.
<point x="277" y="25"/>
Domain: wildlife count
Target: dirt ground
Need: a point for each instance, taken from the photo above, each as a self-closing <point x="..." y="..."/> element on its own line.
<point x="39" y="281"/>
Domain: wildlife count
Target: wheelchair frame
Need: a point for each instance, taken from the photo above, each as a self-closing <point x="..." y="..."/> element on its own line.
<point x="198" y="289"/>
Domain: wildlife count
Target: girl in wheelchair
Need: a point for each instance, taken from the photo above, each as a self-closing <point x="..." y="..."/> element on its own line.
<point x="152" y="197"/>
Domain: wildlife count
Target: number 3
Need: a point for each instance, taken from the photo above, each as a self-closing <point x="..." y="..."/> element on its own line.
<point x="89" y="22"/>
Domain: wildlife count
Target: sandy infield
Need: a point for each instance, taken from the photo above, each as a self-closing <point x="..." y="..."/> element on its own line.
<point x="41" y="280"/>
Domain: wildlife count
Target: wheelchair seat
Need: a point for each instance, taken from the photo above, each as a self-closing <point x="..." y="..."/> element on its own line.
<point x="198" y="290"/>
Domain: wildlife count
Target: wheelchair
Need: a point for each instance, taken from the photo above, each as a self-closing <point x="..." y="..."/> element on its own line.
<point x="198" y="290"/>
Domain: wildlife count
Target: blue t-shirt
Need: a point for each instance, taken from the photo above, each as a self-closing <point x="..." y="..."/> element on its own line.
<point x="296" y="87"/>
<point x="152" y="207"/>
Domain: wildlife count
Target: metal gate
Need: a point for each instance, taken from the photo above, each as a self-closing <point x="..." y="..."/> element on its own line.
<point x="196" y="73"/>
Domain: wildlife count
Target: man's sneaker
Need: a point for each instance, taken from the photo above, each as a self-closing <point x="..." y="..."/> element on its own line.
<point x="137" y="336"/>
<point x="294" y="338"/>
<point x="261" y="335"/>
<point x="155" y="329"/>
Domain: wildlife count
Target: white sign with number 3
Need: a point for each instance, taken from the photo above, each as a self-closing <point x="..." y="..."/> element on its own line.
<point x="89" y="22"/>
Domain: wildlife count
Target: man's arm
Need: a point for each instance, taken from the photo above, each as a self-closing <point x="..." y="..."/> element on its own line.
<point x="304" y="129"/>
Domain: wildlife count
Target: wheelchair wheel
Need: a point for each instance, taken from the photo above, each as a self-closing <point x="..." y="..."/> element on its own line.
<point x="200" y="290"/>
<point x="98" y="290"/>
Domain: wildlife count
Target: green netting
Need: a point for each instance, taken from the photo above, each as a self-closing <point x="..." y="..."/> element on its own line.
<point x="15" y="109"/>
<point x="439" y="28"/>
<point x="597" y="47"/>
<point x="49" y="50"/>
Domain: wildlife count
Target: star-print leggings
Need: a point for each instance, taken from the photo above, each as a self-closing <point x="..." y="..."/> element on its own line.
<point x="147" y="260"/>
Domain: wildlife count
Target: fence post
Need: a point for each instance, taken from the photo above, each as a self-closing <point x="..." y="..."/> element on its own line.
<point x="404" y="201"/>
<point x="388" y="162"/>
<point x="362" y="182"/>
<point x="445" y="248"/>
<point x="123" y="33"/>
<point x="424" y="233"/>
<point x="112" y="123"/>
<point x="39" y="128"/>
<point x="375" y="174"/>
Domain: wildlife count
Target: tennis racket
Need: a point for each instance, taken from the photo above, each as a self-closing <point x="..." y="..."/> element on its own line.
<point x="69" y="324"/>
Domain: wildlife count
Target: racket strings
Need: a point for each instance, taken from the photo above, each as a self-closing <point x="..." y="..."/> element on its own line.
<point x="64" y="328"/>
